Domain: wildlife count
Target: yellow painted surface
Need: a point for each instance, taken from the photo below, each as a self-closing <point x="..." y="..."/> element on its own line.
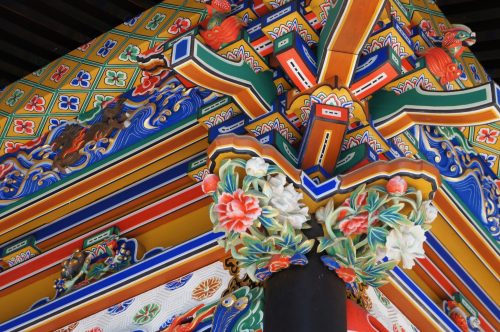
<point x="475" y="266"/>
<point x="165" y="232"/>
<point x="114" y="183"/>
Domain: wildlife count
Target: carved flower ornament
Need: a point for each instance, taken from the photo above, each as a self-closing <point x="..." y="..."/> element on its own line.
<point x="371" y="224"/>
<point x="261" y="215"/>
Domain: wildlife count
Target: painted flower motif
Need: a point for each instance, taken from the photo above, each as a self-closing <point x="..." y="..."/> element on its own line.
<point x="155" y="21"/>
<point x="68" y="328"/>
<point x="347" y="274"/>
<point x="132" y="21"/>
<point x="130" y="53"/>
<point x="82" y="79"/>
<point x="148" y="83"/>
<point x="106" y="48"/>
<point x="206" y="288"/>
<point x="178" y="283"/>
<point x="14" y="98"/>
<point x="406" y="244"/>
<point x="59" y="73"/>
<point x="355" y="224"/>
<point x="426" y="27"/>
<point x="180" y="25"/>
<point x="487" y="135"/>
<point x="53" y="123"/>
<point x="120" y="307"/>
<point x="86" y="46"/>
<point x="278" y="262"/>
<point x="11" y="147"/>
<point x="94" y="329"/>
<point x="38" y="72"/>
<point x="147" y="313"/>
<point x="117" y="78"/>
<point x="36" y="104"/>
<point x="237" y="211"/>
<point x="24" y="127"/>
<point x="489" y="159"/>
<point x="209" y="184"/>
<point x="475" y="74"/>
<point x="101" y="100"/>
<point x="396" y="186"/>
<point x="69" y="102"/>
<point x="256" y="167"/>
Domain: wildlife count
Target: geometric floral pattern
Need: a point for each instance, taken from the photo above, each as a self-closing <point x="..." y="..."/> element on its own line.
<point x="206" y="288"/>
<point x="89" y="75"/>
<point x="150" y="310"/>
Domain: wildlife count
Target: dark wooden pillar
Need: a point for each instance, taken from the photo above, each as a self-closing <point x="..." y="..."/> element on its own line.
<point x="305" y="298"/>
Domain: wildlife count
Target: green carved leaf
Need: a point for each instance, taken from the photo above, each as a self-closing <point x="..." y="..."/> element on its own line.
<point x="383" y="267"/>
<point x="350" y="251"/>
<point x="305" y="247"/>
<point x="354" y="197"/>
<point x="324" y="243"/>
<point x="269" y="212"/>
<point x="392" y="217"/>
<point x="377" y="237"/>
<point x="374" y="202"/>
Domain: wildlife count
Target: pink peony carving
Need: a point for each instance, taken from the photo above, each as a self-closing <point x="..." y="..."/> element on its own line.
<point x="237" y="211"/>
<point x="355" y="224"/>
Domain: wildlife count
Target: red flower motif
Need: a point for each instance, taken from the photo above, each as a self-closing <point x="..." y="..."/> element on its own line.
<point x="209" y="184"/>
<point x="24" y="126"/>
<point x="148" y="83"/>
<point x="347" y="274"/>
<point x="36" y="104"/>
<point x="5" y="169"/>
<point x="86" y="46"/>
<point x="277" y="263"/>
<point x="11" y="147"/>
<point x="355" y="224"/>
<point x="237" y="211"/>
<point x="59" y="73"/>
<point x="426" y="27"/>
<point x="487" y="135"/>
<point x="94" y="329"/>
<point x="180" y="25"/>
<point x="396" y="186"/>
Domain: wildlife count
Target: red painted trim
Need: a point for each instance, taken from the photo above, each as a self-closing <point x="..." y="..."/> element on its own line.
<point x="126" y="224"/>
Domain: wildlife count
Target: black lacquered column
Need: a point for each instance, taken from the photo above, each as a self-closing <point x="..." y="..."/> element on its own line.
<point x="305" y="298"/>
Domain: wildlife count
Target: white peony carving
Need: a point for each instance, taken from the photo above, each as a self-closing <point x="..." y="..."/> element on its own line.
<point x="257" y="167"/>
<point x="406" y="244"/>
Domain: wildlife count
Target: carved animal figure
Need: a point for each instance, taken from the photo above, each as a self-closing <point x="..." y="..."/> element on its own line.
<point x="441" y="64"/>
<point x="456" y="38"/>
<point x="189" y="321"/>
<point x="67" y="145"/>
<point x="228" y="311"/>
<point x="219" y="30"/>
